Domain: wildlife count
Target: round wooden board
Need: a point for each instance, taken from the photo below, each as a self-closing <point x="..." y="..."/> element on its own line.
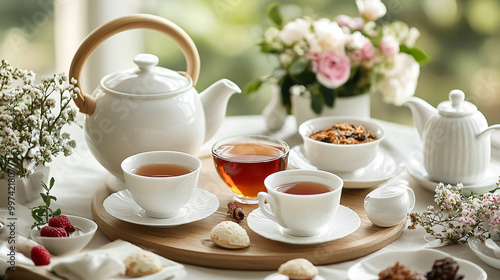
<point x="191" y="243"/>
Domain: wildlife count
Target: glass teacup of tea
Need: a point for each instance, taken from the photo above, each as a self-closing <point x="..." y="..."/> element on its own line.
<point x="243" y="162"/>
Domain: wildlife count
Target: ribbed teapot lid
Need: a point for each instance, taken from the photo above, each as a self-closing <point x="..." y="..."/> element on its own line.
<point x="146" y="79"/>
<point x="456" y="106"/>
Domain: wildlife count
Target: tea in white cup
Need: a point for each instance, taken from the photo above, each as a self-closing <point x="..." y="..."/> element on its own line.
<point x="302" y="202"/>
<point x="161" y="182"/>
<point x="388" y="204"/>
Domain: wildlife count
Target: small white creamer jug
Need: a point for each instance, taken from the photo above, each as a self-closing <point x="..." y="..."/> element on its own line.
<point x="388" y="205"/>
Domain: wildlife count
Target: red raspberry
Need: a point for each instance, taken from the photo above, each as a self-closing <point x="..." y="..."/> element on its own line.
<point x="40" y="255"/>
<point x="59" y="221"/>
<point x="48" y="231"/>
<point x="62" y="221"/>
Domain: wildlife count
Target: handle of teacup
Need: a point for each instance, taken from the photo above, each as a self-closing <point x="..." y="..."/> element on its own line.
<point x="86" y="103"/>
<point x="265" y="208"/>
<point x="411" y="198"/>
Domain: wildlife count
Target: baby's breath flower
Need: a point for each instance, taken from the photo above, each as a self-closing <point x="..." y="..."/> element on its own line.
<point x="31" y="120"/>
<point x="459" y="216"/>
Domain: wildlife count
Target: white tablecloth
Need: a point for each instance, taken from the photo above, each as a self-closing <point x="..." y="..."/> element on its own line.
<point x="78" y="176"/>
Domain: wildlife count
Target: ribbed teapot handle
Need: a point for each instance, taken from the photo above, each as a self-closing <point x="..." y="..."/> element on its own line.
<point x="86" y="103"/>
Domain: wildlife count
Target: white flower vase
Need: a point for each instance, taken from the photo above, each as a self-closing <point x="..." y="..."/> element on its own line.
<point x="275" y="112"/>
<point x="352" y="106"/>
<point x="26" y="189"/>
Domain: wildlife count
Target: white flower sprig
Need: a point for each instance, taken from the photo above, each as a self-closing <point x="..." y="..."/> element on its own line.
<point x="459" y="216"/>
<point x="31" y="119"/>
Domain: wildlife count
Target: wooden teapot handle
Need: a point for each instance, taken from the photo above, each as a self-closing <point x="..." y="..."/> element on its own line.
<point x="86" y="103"/>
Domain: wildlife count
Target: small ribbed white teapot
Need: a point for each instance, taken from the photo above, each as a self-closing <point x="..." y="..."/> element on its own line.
<point x="456" y="139"/>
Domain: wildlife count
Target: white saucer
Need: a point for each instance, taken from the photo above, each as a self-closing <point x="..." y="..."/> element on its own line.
<point x="383" y="167"/>
<point x="417" y="170"/>
<point x="420" y="261"/>
<point x="345" y="222"/>
<point x="483" y="252"/>
<point x="122" y="206"/>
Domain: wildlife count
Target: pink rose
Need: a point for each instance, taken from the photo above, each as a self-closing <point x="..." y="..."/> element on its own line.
<point x="332" y="70"/>
<point x="357" y="55"/>
<point x="368" y="51"/>
<point x="389" y="46"/>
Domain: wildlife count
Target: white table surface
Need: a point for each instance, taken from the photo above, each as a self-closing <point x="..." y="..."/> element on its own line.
<point x="78" y="176"/>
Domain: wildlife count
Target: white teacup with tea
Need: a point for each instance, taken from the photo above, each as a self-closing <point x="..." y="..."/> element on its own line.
<point x="161" y="182"/>
<point x="302" y="202"/>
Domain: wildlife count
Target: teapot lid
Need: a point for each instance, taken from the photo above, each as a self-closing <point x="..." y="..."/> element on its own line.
<point x="456" y="106"/>
<point x="146" y="79"/>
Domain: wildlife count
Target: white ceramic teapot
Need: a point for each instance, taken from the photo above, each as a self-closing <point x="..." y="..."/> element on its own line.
<point x="455" y="139"/>
<point x="148" y="108"/>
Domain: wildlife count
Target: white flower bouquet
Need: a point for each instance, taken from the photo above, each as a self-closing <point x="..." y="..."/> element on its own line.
<point x="342" y="57"/>
<point x="31" y="119"/>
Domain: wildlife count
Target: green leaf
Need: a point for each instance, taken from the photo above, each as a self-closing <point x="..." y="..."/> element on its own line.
<point x="420" y="56"/>
<point x="286" y="84"/>
<point x="328" y="95"/>
<point x="274" y="14"/>
<point x="57" y="212"/>
<point x="316" y="104"/>
<point x="253" y="86"/>
<point x="305" y="78"/>
<point x="45" y="186"/>
<point x="266" y="47"/>
<point x="40" y="212"/>
<point x="298" y="66"/>
<point x="376" y="39"/>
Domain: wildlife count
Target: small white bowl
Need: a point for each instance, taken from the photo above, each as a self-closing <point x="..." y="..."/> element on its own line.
<point x="340" y="157"/>
<point x="65" y="245"/>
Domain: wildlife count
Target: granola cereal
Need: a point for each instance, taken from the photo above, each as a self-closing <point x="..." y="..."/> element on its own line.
<point x="399" y="272"/>
<point x="443" y="269"/>
<point x="344" y="133"/>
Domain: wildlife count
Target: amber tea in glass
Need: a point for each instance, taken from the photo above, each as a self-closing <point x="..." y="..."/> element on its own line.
<point x="243" y="162"/>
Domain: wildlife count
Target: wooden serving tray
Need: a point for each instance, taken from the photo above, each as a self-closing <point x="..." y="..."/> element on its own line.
<point x="191" y="244"/>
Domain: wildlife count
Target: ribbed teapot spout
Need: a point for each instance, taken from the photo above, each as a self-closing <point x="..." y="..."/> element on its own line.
<point x="421" y="112"/>
<point x="488" y="131"/>
<point x="215" y="99"/>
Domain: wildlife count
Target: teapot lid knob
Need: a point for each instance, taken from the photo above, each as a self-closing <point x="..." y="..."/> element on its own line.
<point x="146" y="61"/>
<point x="457" y="97"/>
<point x="456" y="106"/>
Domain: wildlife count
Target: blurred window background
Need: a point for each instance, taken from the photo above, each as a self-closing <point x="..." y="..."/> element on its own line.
<point x="461" y="36"/>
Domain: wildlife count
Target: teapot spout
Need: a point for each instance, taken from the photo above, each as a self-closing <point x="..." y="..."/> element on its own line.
<point x="421" y="112"/>
<point x="214" y="100"/>
<point x="488" y="131"/>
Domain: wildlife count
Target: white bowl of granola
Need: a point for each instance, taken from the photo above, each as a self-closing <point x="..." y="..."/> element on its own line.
<point x="341" y="144"/>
